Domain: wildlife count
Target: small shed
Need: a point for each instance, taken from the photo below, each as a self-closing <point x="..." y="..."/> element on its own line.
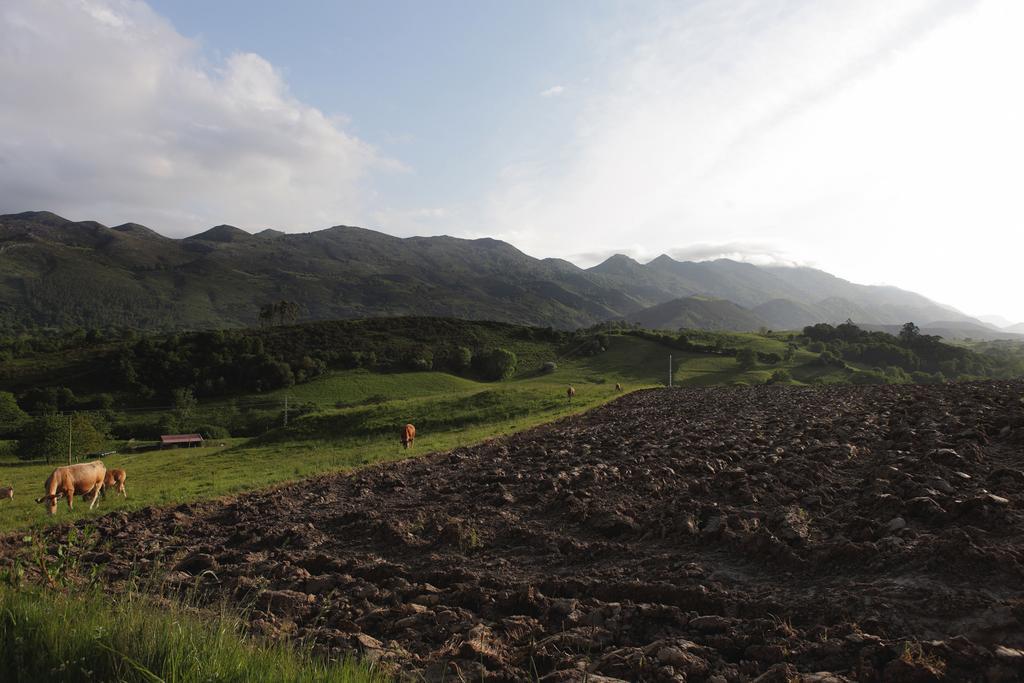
<point x="180" y="440"/>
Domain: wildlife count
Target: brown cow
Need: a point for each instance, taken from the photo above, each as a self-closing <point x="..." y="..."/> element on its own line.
<point x="6" y="492"/>
<point x="570" y="392"/>
<point x="115" y="478"/>
<point x="408" y="435"/>
<point x="83" y="479"/>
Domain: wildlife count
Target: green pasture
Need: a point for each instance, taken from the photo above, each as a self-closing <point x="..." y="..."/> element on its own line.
<point x="449" y="411"/>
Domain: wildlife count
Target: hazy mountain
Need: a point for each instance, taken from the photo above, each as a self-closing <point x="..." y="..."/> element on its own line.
<point x="996" y="320"/>
<point x="786" y="314"/>
<point x="697" y="312"/>
<point x="62" y="273"/>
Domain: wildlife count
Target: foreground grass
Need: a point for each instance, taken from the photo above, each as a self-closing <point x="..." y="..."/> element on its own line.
<point x="49" y="636"/>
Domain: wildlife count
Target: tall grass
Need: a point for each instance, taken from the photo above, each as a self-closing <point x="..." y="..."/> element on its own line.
<point x="50" y="636"/>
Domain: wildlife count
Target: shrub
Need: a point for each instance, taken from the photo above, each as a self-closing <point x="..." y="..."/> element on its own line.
<point x="780" y="377"/>
<point x="208" y="431"/>
<point x="498" y="364"/>
<point x="549" y="367"/>
<point x="746" y="359"/>
<point x="828" y="358"/>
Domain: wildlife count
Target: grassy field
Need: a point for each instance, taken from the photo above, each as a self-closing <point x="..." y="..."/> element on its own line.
<point x="335" y="438"/>
<point x="46" y="635"/>
<point x="448" y="411"/>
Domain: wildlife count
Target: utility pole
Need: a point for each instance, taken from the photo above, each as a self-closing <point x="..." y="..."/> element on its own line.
<point x="286" y="410"/>
<point x="670" y="370"/>
<point x="69" y="438"/>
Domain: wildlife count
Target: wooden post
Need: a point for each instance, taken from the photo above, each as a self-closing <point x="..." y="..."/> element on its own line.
<point x="670" y="369"/>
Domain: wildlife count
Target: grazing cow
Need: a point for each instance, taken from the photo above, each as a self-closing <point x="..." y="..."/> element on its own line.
<point x="83" y="479"/>
<point x="114" y="478"/>
<point x="408" y="435"/>
<point x="618" y="387"/>
<point x="6" y="492"/>
<point x="570" y="392"/>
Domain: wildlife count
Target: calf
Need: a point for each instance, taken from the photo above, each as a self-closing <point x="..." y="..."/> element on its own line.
<point x="115" y="477"/>
<point x="570" y="392"/>
<point x="84" y="479"/>
<point x="6" y="492"/>
<point x="408" y="435"/>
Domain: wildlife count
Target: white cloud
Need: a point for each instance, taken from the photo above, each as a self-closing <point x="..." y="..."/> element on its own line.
<point x="553" y="91"/>
<point x="110" y="114"/>
<point x="748" y="252"/>
<point x="882" y="140"/>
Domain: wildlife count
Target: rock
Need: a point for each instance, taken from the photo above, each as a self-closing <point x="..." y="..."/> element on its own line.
<point x="197" y="563"/>
<point x="778" y="673"/>
<point x="283" y="602"/>
<point x="710" y="623"/>
<point x="366" y="642"/>
<point x="321" y="584"/>
<point x="1009" y="665"/>
<point x="946" y="456"/>
<point x="896" y="523"/>
<point x="686" y="662"/>
<point x="823" y="677"/>
<point x="766" y="654"/>
<point x="900" y="670"/>
<point x="1010" y="655"/>
<point x="926" y="508"/>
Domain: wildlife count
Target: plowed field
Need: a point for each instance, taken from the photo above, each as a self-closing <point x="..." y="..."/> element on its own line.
<point x="720" y="534"/>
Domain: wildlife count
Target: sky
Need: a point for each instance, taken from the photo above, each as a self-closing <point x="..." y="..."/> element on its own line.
<point x="882" y="142"/>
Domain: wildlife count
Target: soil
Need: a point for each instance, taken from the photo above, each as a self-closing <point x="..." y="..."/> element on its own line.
<point x="722" y="534"/>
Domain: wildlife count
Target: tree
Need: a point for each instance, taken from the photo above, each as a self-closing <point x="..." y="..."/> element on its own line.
<point x="283" y="312"/>
<point x="746" y="359"/>
<point x="266" y="315"/>
<point x="185" y="403"/>
<point x="12" y="417"/>
<point x="46" y="437"/>
<point x="909" y="334"/>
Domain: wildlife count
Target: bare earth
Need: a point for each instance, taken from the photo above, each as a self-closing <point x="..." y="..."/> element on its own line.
<point x="833" y="533"/>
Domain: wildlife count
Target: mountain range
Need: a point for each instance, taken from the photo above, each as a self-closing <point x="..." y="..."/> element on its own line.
<point x="59" y="273"/>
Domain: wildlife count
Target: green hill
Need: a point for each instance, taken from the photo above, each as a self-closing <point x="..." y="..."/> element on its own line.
<point x="63" y="274"/>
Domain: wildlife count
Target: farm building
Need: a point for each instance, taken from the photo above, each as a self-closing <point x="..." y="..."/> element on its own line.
<point x="180" y="440"/>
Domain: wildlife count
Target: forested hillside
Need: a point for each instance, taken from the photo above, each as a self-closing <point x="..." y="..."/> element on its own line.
<point x="61" y="274"/>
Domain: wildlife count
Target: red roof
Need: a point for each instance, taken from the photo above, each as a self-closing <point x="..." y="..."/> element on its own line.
<point x="180" y="438"/>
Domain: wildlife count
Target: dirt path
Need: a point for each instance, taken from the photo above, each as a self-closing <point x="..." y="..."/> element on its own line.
<point x="721" y="534"/>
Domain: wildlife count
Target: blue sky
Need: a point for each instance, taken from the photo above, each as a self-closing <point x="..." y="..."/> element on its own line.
<point x="879" y="141"/>
<point x="452" y="89"/>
